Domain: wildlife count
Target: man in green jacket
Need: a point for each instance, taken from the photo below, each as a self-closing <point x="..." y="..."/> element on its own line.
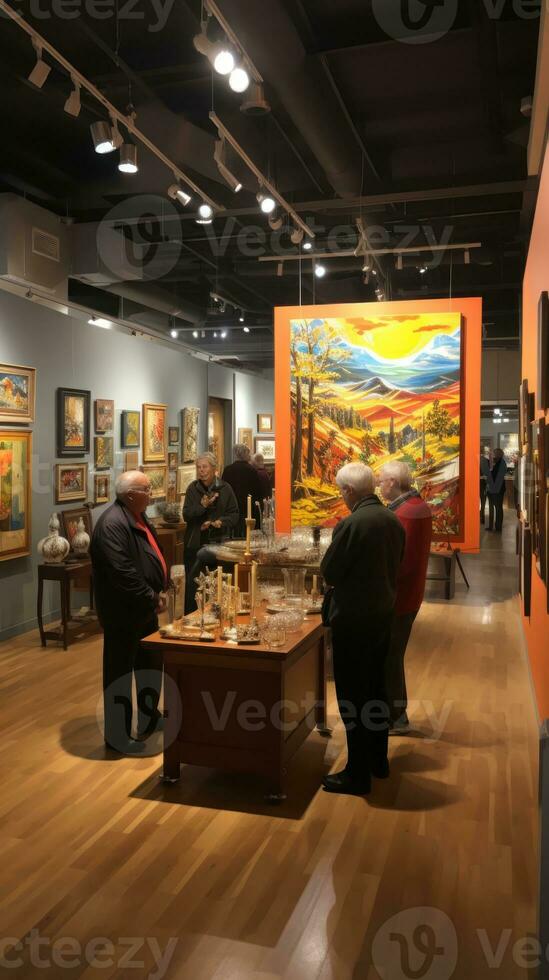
<point x="361" y="566"/>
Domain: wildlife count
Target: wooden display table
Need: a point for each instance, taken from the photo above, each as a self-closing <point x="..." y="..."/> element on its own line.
<point x="245" y="708"/>
<point x="66" y="573"/>
<point x="450" y="557"/>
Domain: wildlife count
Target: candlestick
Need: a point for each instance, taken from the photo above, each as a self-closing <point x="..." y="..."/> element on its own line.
<point x="249" y="513"/>
<point x="236" y="575"/>
<point x="219" y="584"/>
<point x="315" y="583"/>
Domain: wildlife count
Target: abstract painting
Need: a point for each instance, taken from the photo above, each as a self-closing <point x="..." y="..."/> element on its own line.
<point x="372" y="390"/>
<point x="16" y="393"/>
<point x="104" y="414"/>
<point x="73" y="422"/>
<point x="130" y="429"/>
<point x="265" y="446"/>
<point x="185" y="476"/>
<point x="158" y="476"/>
<point x="189" y="436"/>
<point x="131" y="460"/>
<point x="15" y="493"/>
<point x="104" y="452"/>
<point x="154" y="433"/>
<point x="71" y="482"/>
<point x="246" y="438"/>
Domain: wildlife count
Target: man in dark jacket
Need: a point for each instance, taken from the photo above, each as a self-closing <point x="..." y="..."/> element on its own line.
<point x="211" y="514"/>
<point x="496" y="492"/>
<point x="130" y="577"/>
<point x="395" y="483"/>
<point x="361" y="565"/>
<point x="243" y="478"/>
<point x="265" y="483"/>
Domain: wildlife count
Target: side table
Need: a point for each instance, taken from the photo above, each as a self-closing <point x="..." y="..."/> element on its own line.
<point x="65" y="573"/>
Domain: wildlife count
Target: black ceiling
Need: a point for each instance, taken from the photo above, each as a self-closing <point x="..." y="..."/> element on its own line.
<point x="421" y="142"/>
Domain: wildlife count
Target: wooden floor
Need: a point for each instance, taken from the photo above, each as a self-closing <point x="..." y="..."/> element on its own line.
<point x="224" y="885"/>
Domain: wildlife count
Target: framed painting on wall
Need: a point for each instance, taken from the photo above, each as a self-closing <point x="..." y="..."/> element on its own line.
<point x="173" y="461"/>
<point x="17" y="393"/>
<point x="70" y="519"/>
<point x="538" y="498"/>
<point x="15" y="493"/>
<point x="524" y="433"/>
<point x="264" y="422"/>
<point x="131" y="460"/>
<point x="104" y="452"/>
<point x="71" y="482"/>
<point x="543" y="352"/>
<point x="246" y="438"/>
<point x="526" y="568"/>
<point x="73" y="422"/>
<point x="101" y="488"/>
<point x="158" y="476"/>
<point x="130" y="430"/>
<point x="154" y="433"/>
<point x="171" y="495"/>
<point x="185" y="476"/>
<point x="104" y="414"/>
<point x="266" y="446"/>
<point x="173" y="435"/>
<point x="189" y="434"/>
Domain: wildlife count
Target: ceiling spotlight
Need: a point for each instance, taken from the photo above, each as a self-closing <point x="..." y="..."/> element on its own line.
<point x="72" y="105"/>
<point x="128" y="159"/>
<point x="102" y="137"/>
<point x="223" y="334"/>
<point x="366" y="278"/>
<point x="205" y="211"/>
<point x="215" y="333"/>
<point x="366" y="267"/>
<point x="174" y="334"/>
<point x="224" y="61"/>
<point x="320" y="271"/>
<point x="178" y="194"/>
<point x="219" y="157"/>
<point x="202" y="334"/>
<point x="117" y="138"/>
<point x="374" y="272"/>
<point x="195" y="334"/>
<point x="266" y="203"/>
<point x="297" y="236"/>
<point x="239" y="80"/>
<point x="255" y="103"/>
<point x="100" y="321"/>
<point x="275" y="222"/>
<point x="506" y="420"/>
<point x="307" y="246"/>
<point x="41" y="70"/>
<point x="241" y="318"/>
<point x="218" y="54"/>
<point x="422" y="270"/>
<point x="246" y="329"/>
<point x="497" y="411"/>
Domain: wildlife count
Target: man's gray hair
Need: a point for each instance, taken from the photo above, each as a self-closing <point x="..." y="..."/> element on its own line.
<point x="400" y="472"/>
<point x="357" y="477"/>
<point x="240" y="451"/>
<point x="258" y="459"/>
<point x="209" y="457"/>
<point x="124" y="483"/>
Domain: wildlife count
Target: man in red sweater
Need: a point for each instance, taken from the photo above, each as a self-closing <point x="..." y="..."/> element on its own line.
<point x="395" y="484"/>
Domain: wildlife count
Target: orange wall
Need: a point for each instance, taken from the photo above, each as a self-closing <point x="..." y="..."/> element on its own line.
<point x="536" y="280"/>
<point x="471" y="311"/>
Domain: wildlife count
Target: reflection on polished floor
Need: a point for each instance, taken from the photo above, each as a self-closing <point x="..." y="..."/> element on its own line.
<point x="97" y="847"/>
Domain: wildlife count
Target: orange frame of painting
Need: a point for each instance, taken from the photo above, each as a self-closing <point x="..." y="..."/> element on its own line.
<point x="470" y="310"/>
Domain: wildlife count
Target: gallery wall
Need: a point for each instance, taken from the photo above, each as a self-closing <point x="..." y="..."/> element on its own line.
<point x="536" y="280"/>
<point x="67" y="352"/>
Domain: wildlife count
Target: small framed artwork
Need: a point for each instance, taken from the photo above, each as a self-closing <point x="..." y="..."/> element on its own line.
<point x="185" y="476"/>
<point x="158" y="476"/>
<point x="104" y="452"/>
<point x="173" y="435"/>
<point x="101" y="488"/>
<point x="172" y="485"/>
<point x="526" y="569"/>
<point x="15" y="493"/>
<point x="538" y="497"/>
<point x="130" y="430"/>
<point x="543" y="352"/>
<point x="246" y="438"/>
<point x="189" y="435"/>
<point x="264" y="422"/>
<point x="104" y="414"/>
<point x="73" y="422"/>
<point x="17" y="391"/>
<point x="71" y="482"/>
<point x="173" y="461"/>
<point x="70" y="519"/>
<point x="131" y="460"/>
<point x="154" y="433"/>
<point x="266" y="446"/>
<point x="523" y="416"/>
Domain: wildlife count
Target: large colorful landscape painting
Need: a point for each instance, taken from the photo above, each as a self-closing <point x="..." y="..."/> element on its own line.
<point x="14" y="494"/>
<point x="374" y="390"/>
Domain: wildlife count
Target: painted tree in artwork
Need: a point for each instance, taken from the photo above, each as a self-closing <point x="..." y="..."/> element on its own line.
<point x="438" y="422"/>
<point x="316" y="350"/>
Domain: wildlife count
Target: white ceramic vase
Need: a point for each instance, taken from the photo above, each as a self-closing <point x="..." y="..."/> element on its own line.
<point x="81" y="540"/>
<point x="54" y="549"/>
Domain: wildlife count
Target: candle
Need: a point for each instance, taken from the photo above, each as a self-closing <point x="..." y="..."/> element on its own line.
<point x="236" y="575"/>
<point x="249" y="514"/>
<point x="315" y="583"/>
<point x="219" y="584"/>
<point x="253" y="585"/>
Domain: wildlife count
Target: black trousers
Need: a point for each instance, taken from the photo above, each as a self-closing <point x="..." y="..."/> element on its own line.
<point x="495" y="507"/>
<point x="395" y="677"/>
<point x="359" y="655"/>
<point x="483" y="494"/>
<point x="124" y="658"/>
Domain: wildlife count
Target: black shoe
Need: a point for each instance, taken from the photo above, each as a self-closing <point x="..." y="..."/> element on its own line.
<point x="342" y="782"/>
<point x="381" y="769"/>
<point x="128" y="746"/>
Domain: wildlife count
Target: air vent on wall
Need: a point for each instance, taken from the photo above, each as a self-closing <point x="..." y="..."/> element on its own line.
<point x="46" y="245"/>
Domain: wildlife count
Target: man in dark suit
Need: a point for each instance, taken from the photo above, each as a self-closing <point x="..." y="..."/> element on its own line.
<point x="361" y="565"/>
<point x="496" y="492"/>
<point x="244" y="480"/>
<point x="130" y="577"/>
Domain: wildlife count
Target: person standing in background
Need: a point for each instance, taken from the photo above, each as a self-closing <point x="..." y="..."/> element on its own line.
<point x="485" y="485"/>
<point x="266" y="487"/>
<point x="496" y="493"/>
<point x="244" y="480"/>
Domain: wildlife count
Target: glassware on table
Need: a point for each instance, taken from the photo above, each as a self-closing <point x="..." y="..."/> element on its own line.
<point x="273" y="634"/>
<point x="290" y="620"/>
<point x="176" y="593"/>
<point x="294" y="581"/>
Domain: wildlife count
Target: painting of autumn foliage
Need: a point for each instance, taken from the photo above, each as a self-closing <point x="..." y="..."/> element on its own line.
<point x="373" y="390"/>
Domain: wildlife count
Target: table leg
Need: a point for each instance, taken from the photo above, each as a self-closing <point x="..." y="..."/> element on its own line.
<point x="321" y="708"/>
<point x="39" y="609"/>
<point x="458" y="559"/>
